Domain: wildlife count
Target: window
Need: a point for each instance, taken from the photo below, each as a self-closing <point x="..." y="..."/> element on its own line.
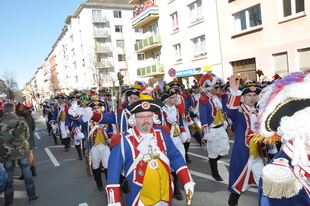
<point x="195" y="12"/>
<point x="121" y="57"/>
<point x="74" y="65"/>
<point x="118" y="28"/>
<point x="175" y="21"/>
<point x="280" y="63"/>
<point x="120" y="43"/>
<point x="154" y="29"/>
<point x="304" y="59"/>
<point x="177" y="52"/>
<point x="199" y="46"/>
<point x="117" y="14"/>
<point x="248" y="18"/>
<point x="138" y="30"/>
<point x="292" y="7"/>
<point x="140" y="57"/>
<point x="76" y="79"/>
<point x="73" y="52"/>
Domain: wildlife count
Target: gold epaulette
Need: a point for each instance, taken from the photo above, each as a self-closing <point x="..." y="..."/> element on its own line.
<point x="279" y="180"/>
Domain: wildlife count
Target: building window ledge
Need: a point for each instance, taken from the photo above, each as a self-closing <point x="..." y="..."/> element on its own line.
<point x="248" y="31"/>
<point x="292" y="17"/>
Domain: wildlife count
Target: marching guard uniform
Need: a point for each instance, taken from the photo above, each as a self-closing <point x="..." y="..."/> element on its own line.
<point x="146" y="160"/>
<point x="246" y="162"/>
<point x="284" y="113"/>
<point x="213" y="122"/>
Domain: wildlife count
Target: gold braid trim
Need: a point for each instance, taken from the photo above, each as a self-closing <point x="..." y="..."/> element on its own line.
<point x="256" y="137"/>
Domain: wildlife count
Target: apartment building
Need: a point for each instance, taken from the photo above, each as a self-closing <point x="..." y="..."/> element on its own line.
<point x="95" y="44"/>
<point x="191" y="43"/>
<point x="272" y="36"/>
<point x="181" y="36"/>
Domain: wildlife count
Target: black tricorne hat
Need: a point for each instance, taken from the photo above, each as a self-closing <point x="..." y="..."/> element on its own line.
<point x="133" y="91"/>
<point x="251" y="88"/>
<point x="144" y="106"/>
<point x="169" y="93"/>
<point x="95" y="103"/>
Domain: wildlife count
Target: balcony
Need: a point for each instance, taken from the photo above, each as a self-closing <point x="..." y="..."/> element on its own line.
<point x="145" y="16"/>
<point x="102" y="49"/>
<point x="134" y="1"/>
<point x="99" y="19"/>
<point x="150" y="70"/>
<point x="101" y="34"/>
<point x="148" y="44"/>
<point x="102" y="65"/>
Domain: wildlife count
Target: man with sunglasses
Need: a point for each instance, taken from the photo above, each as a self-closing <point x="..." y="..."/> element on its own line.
<point x="213" y="121"/>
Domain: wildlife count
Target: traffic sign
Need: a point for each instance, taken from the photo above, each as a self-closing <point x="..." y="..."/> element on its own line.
<point x="172" y="72"/>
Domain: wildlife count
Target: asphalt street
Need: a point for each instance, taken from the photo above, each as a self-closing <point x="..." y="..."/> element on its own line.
<point x="62" y="178"/>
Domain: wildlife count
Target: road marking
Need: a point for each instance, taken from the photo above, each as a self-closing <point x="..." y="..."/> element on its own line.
<point x="83" y="204"/>
<point x="51" y="156"/>
<point x="38" y="137"/>
<point x="209" y="177"/>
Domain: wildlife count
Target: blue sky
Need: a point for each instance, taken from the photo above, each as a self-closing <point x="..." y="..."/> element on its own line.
<point x="28" y="30"/>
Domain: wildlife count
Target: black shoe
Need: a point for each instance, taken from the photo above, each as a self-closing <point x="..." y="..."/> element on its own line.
<point x="21" y="177"/>
<point x="178" y="197"/>
<point x="33" y="171"/>
<point x="9" y="204"/>
<point x="33" y="198"/>
<point x="218" y="178"/>
<point x="100" y="188"/>
<point x="66" y="150"/>
<point x="188" y="160"/>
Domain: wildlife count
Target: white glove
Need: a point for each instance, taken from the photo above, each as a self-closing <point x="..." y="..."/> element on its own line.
<point x="79" y="136"/>
<point x="115" y="204"/>
<point x="189" y="186"/>
<point x="225" y="124"/>
<point x="183" y="137"/>
<point x="67" y="131"/>
<point x="86" y="113"/>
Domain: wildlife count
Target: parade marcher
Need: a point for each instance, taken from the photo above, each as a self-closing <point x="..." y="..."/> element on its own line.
<point x="284" y="113"/>
<point x="145" y="153"/>
<point x="22" y="111"/>
<point x="100" y="150"/>
<point x="49" y="113"/>
<point x="14" y="146"/>
<point x="183" y="103"/>
<point x="246" y="161"/>
<point x="211" y="112"/>
<point x="119" y="116"/>
<point x="59" y="118"/>
<point x="194" y="112"/>
<point x="174" y="121"/>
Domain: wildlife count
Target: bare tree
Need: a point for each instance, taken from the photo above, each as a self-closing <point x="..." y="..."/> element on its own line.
<point x="9" y="80"/>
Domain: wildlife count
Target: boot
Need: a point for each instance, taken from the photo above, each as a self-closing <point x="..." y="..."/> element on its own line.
<point x="214" y="170"/>
<point x="97" y="177"/>
<point x="55" y="139"/>
<point x="66" y="143"/>
<point x="106" y="173"/>
<point x="177" y="194"/>
<point x="79" y="150"/>
<point x="233" y="199"/>
<point x="186" y="146"/>
<point x="33" y="171"/>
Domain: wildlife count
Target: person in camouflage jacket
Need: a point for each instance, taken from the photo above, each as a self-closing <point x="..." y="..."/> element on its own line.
<point x="14" y="134"/>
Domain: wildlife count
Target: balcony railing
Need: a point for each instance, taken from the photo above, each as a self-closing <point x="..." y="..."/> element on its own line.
<point x="102" y="49"/>
<point x="101" y="34"/>
<point x="151" y="70"/>
<point x="145" y="16"/>
<point x="99" y="19"/>
<point x="101" y="65"/>
<point x="148" y="43"/>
